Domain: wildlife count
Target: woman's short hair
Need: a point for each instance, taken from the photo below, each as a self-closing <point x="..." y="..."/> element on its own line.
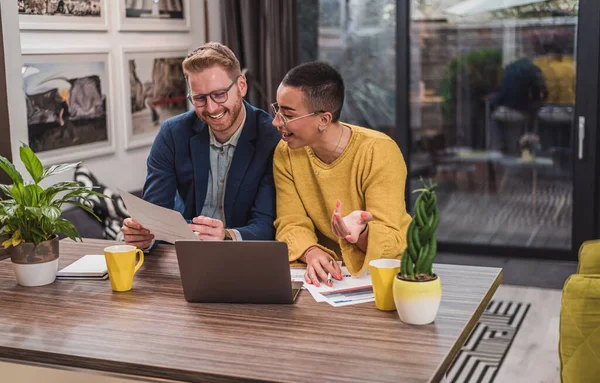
<point x="321" y="84"/>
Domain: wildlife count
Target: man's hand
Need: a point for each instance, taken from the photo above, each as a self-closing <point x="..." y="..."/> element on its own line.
<point x="318" y="264"/>
<point x="208" y="229"/>
<point x="351" y="226"/>
<point x="136" y="235"/>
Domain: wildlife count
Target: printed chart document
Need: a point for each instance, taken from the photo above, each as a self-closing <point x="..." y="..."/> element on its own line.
<point x="349" y="291"/>
<point x="166" y="224"/>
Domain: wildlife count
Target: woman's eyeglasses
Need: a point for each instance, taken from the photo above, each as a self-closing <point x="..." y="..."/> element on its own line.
<point x="275" y="110"/>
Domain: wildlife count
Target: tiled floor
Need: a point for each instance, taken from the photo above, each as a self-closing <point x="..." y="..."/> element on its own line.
<point x="533" y="355"/>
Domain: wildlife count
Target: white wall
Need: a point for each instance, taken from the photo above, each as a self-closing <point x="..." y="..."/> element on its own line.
<point x="214" y="20"/>
<point x="123" y="168"/>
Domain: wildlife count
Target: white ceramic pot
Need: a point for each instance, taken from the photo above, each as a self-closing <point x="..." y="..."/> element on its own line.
<point x="36" y="274"/>
<point x="35" y="265"/>
<point x="417" y="302"/>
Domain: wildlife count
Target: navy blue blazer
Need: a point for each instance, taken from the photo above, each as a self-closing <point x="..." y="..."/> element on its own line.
<point x="179" y="164"/>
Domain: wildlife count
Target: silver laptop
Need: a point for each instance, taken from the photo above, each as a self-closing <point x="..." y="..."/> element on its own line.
<point x="236" y="272"/>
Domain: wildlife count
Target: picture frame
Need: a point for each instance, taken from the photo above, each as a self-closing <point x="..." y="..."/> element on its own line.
<point x="72" y="16"/>
<point x="68" y="93"/>
<point x="146" y="15"/>
<point x="154" y="90"/>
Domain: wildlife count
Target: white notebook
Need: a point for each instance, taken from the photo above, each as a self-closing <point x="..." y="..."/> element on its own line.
<point x="89" y="266"/>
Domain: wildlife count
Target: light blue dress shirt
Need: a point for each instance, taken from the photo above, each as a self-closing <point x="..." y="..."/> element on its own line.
<point x="220" y="160"/>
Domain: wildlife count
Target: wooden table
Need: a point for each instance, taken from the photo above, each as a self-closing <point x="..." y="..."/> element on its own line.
<point x="152" y="331"/>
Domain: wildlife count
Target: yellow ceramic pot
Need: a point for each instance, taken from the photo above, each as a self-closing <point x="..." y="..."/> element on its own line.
<point x="417" y="302"/>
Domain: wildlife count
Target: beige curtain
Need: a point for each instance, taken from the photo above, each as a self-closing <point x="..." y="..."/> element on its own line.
<point x="263" y="35"/>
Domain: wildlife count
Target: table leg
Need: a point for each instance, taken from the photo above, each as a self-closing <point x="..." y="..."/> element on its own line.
<point x="491" y="177"/>
<point x="534" y="188"/>
<point x="503" y="180"/>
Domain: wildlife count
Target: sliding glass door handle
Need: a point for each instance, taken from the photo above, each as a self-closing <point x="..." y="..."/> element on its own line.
<point x="580" y="137"/>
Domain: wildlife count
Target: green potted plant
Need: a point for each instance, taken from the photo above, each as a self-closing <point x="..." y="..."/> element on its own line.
<point x="417" y="290"/>
<point x="30" y="217"/>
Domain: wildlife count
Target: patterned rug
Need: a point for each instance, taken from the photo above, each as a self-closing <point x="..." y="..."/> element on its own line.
<point x="484" y="351"/>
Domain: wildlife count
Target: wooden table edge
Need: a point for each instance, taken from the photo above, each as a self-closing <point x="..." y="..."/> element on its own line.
<point x="443" y="367"/>
<point x="139" y="370"/>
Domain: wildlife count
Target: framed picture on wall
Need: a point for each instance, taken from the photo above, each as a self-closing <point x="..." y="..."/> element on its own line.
<point x="154" y="90"/>
<point x="90" y="15"/>
<point x="154" y="15"/>
<point x="69" y="104"/>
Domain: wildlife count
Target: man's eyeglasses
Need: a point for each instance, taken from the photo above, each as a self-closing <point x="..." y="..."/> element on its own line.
<point x="276" y="111"/>
<point x="218" y="96"/>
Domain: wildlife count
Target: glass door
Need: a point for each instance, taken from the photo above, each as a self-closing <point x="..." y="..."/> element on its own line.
<point x="492" y="98"/>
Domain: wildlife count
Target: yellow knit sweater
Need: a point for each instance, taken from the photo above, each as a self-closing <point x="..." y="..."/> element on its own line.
<point x="369" y="175"/>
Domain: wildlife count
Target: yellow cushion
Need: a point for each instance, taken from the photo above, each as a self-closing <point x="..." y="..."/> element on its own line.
<point x="579" y="344"/>
<point x="589" y="258"/>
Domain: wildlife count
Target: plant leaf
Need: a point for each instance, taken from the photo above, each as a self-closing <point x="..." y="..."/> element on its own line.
<point x="10" y="169"/>
<point x="40" y="233"/>
<point x="35" y="211"/>
<point x="6" y="244"/>
<point x="16" y="238"/>
<point x="32" y="163"/>
<point x="84" y="196"/>
<point x="86" y="208"/>
<point x="9" y="207"/>
<point x="33" y="193"/>
<point x="57" y="169"/>
<point x="52" y="191"/>
<point x="67" y="228"/>
<point x="51" y="212"/>
<point x="6" y="189"/>
<point x="18" y="192"/>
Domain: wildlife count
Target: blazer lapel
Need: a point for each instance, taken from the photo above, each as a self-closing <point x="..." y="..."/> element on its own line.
<point x="244" y="152"/>
<point x="199" y="150"/>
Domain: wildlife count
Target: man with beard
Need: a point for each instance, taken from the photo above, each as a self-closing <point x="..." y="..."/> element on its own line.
<point x="213" y="164"/>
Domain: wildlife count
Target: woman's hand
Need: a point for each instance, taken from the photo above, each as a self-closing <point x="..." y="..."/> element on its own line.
<point x="351" y="226"/>
<point x="318" y="264"/>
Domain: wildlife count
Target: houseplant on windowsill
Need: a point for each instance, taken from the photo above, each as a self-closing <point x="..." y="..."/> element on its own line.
<point x="30" y="217"/>
<point x="417" y="290"/>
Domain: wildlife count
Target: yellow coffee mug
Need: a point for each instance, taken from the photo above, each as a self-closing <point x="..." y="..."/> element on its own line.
<point x="120" y="260"/>
<point x="383" y="271"/>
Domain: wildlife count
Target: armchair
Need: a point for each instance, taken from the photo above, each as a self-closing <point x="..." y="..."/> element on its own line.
<point x="579" y="342"/>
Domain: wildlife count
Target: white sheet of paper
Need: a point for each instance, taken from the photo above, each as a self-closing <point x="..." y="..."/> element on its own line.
<point x="348" y="282"/>
<point x="166" y="224"/>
